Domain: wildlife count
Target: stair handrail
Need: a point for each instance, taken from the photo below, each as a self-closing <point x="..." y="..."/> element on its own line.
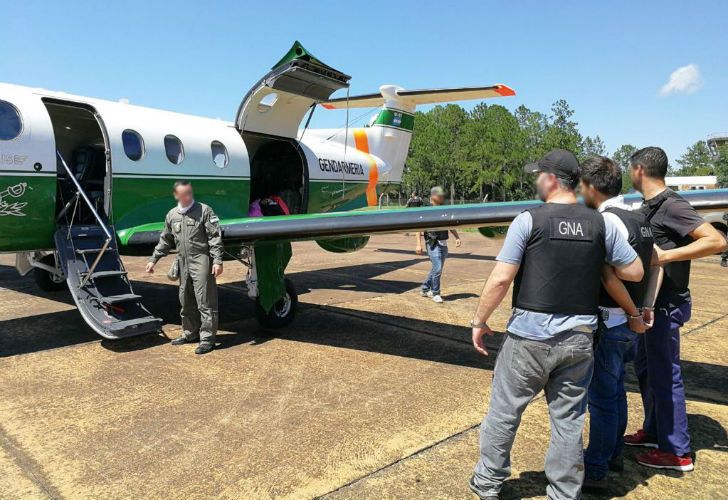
<point x="96" y="215"/>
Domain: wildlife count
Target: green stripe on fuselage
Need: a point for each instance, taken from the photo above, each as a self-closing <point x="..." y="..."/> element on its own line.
<point x="138" y="201"/>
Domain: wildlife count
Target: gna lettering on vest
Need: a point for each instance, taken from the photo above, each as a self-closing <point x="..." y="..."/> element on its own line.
<point x="571" y="229"/>
<point x="646" y="231"/>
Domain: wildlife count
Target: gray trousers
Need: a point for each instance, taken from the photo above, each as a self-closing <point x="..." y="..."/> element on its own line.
<point x="198" y="298"/>
<point x="562" y="367"/>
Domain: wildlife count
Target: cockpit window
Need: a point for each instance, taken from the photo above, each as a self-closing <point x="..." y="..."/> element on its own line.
<point x="10" y="122"/>
<point x="133" y="144"/>
<point x="219" y="154"/>
<point x="174" y="149"/>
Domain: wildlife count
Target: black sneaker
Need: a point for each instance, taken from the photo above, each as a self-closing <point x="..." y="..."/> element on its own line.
<point x="182" y="340"/>
<point x="598" y="486"/>
<point x="481" y="495"/>
<point x="204" y="348"/>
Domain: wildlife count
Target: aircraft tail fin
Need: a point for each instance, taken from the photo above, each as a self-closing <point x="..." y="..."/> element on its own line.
<point x="389" y="133"/>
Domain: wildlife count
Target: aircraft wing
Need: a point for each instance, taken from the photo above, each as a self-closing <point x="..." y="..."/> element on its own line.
<point x="422" y="96"/>
<point x="373" y="221"/>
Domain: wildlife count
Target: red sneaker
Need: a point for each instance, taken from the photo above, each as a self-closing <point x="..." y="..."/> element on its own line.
<point x="662" y="460"/>
<point x="640" y="438"/>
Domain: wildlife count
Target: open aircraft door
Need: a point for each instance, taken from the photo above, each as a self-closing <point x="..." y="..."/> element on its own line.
<point x="276" y="104"/>
<point x="269" y="118"/>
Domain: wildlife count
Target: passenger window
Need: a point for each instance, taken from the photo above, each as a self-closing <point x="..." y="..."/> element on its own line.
<point x="219" y="154"/>
<point x="174" y="149"/>
<point x="10" y="123"/>
<point x="133" y="144"/>
<point x="267" y="102"/>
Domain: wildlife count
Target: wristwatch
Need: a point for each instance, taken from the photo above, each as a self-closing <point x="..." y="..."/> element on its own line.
<point x="473" y="324"/>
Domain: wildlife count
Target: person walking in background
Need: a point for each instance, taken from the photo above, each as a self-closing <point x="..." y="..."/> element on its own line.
<point x="414" y="200"/>
<point x="194" y="230"/>
<point x="436" y="245"/>
<point x="681" y="235"/>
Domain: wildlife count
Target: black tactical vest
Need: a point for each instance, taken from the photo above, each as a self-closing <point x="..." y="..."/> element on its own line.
<point x="560" y="271"/>
<point x="433" y="237"/>
<point x="641" y="240"/>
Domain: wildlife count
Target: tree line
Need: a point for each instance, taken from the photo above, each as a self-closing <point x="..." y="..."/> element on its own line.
<point x="479" y="154"/>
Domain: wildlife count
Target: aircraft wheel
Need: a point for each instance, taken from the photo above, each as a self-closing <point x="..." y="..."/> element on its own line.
<point x="282" y="312"/>
<point x="49" y="282"/>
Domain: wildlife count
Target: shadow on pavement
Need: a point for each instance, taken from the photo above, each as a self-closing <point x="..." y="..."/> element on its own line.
<point x="707" y="434"/>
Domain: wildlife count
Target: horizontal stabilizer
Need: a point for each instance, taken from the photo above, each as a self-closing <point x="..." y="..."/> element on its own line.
<point x="422" y="96"/>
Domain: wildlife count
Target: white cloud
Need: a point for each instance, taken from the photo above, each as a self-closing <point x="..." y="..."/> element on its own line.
<point x="124" y="100"/>
<point x="684" y="80"/>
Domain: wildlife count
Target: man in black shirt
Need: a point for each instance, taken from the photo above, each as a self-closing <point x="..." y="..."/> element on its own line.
<point x="414" y="201"/>
<point x="680" y="235"/>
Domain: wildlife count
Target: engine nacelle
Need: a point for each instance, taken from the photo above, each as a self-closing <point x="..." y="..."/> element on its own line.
<point x="344" y="245"/>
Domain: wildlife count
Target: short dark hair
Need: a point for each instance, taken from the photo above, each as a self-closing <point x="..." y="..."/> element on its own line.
<point x="652" y="159"/>
<point x="181" y="182"/>
<point x="602" y="173"/>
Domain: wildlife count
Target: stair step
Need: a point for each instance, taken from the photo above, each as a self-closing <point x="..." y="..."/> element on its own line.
<point x="87" y="232"/>
<point x="135" y="323"/>
<point x="104" y="274"/>
<point x="86" y="251"/>
<point x="118" y="299"/>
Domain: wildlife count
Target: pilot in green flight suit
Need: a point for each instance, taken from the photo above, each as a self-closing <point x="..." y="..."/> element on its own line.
<point x="194" y="230"/>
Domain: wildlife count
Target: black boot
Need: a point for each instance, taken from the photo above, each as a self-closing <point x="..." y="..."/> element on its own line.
<point x="182" y="340"/>
<point x="204" y="348"/>
<point x="595" y="486"/>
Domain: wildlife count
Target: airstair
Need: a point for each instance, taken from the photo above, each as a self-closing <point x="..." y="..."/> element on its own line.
<point x="95" y="274"/>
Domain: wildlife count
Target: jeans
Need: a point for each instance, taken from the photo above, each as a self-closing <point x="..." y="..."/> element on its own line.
<point x="608" y="400"/>
<point x="437" y="255"/>
<point x="657" y="365"/>
<point x="562" y="367"/>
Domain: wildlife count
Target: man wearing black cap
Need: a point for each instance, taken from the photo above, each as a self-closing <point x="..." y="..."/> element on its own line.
<point x="555" y="254"/>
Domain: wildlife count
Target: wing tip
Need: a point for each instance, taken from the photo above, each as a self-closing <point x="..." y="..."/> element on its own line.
<point x="504" y="90"/>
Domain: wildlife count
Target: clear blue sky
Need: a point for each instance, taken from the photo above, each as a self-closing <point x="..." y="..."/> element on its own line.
<point x="609" y="60"/>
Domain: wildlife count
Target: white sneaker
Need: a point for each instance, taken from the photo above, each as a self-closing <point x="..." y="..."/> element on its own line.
<point x="428" y="293"/>
<point x="437" y="299"/>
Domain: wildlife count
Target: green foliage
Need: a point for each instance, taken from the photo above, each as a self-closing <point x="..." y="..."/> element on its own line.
<point x="482" y="152"/>
<point x="621" y="156"/>
<point x="721" y="166"/>
<point x="697" y="160"/>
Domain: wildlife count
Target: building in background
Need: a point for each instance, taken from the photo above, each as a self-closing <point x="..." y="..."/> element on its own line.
<point x="691" y="182"/>
<point x="716" y="141"/>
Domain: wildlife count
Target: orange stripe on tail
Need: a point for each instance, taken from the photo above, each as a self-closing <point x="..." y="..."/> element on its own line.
<point x="362" y="144"/>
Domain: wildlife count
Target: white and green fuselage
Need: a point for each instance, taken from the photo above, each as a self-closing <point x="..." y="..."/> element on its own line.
<point x="145" y="150"/>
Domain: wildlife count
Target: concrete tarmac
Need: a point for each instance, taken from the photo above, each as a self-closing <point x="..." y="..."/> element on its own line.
<point x="372" y="392"/>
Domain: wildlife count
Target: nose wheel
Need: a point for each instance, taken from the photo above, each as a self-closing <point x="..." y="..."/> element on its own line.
<point x="45" y="279"/>
<point x="282" y="312"/>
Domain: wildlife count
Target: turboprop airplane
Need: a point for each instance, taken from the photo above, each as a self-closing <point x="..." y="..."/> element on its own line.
<point x="84" y="181"/>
